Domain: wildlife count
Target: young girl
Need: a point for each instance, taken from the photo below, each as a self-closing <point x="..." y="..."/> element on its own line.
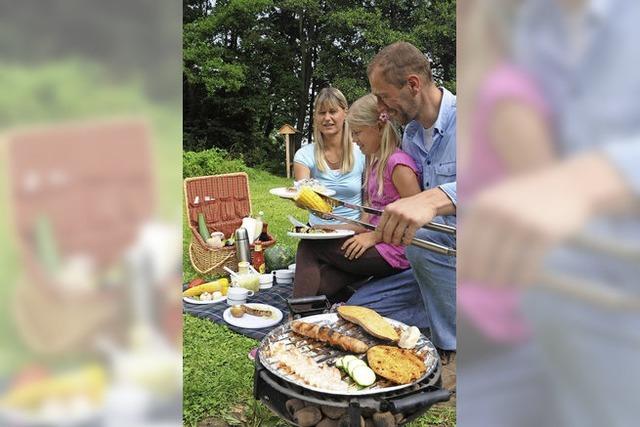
<point x="325" y="267"/>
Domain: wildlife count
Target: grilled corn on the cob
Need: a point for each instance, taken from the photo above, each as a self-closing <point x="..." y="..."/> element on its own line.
<point x="311" y="200"/>
<point x="220" y="285"/>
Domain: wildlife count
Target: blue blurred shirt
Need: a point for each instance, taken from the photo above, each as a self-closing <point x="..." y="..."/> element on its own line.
<point x="589" y="77"/>
<point x="437" y="165"/>
<point x="348" y="187"/>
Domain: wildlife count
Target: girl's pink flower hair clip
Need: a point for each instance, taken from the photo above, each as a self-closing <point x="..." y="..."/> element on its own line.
<point x="384" y="117"/>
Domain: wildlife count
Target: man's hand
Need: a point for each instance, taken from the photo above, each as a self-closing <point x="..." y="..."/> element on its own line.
<point x="508" y="228"/>
<point x="358" y="244"/>
<point x="402" y="218"/>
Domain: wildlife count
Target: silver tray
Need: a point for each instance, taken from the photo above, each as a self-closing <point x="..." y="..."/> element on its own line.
<point x="322" y="352"/>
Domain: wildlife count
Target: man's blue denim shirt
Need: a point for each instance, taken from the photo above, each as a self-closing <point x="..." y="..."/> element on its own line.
<point x="437" y="166"/>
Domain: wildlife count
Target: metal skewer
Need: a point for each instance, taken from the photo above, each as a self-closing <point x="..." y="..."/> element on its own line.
<point x="443" y="228"/>
<point x="430" y="246"/>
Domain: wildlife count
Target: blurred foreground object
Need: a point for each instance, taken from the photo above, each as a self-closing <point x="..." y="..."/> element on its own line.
<point x="76" y="200"/>
<point x="557" y="245"/>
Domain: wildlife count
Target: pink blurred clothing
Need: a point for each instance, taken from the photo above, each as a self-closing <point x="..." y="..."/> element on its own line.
<point x="494" y="311"/>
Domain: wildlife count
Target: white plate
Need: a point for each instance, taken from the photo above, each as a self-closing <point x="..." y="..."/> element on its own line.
<point x="253" y="322"/>
<point x="337" y="234"/>
<point x="285" y="193"/>
<point x="197" y="301"/>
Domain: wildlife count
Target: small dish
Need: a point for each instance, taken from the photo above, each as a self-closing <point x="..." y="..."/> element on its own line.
<point x="266" y="281"/>
<point x="284" y="275"/>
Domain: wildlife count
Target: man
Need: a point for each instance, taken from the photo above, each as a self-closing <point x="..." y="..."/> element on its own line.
<point x="400" y="77"/>
<point x="564" y="234"/>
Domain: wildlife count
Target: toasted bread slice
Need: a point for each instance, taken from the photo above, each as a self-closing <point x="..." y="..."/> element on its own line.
<point x="395" y="364"/>
<point x="370" y="321"/>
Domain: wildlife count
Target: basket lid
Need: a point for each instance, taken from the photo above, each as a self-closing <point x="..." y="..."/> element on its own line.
<point x="78" y="176"/>
<point x="220" y="198"/>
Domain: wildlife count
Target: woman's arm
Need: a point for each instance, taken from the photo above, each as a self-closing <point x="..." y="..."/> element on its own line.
<point x="300" y="171"/>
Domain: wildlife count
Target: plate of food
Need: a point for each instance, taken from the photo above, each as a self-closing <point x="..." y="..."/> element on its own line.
<point x="317" y="233"/>
<point x="290" y="192"/>
<point x="205" y="298"/>
<point x="252" y="316"/>
<point x="284" y="192"/>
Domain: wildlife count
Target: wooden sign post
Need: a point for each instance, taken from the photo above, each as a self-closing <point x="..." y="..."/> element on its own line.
<point x="287" y="130"/>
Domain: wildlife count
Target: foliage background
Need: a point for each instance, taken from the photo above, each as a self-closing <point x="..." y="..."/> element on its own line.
<point x="252" y="65"/>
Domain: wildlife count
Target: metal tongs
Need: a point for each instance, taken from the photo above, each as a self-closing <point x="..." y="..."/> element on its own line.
<point x="443" y="228"/>
<point x="424" y="244"/>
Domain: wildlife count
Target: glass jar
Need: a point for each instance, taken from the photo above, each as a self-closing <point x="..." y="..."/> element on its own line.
<point x="246" y="279"/>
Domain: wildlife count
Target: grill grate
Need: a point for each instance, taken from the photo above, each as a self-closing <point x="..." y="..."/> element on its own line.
<point x="322" y="353"/>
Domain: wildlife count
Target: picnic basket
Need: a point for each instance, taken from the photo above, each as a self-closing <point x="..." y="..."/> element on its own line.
<point x="95" y="198"/>
<point x="223" y="200"/>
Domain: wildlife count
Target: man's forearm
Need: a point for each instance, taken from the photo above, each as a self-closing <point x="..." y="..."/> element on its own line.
<point x="439" y="200"/>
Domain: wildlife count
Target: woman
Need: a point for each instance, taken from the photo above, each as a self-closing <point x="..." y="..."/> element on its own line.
<point x="332" y="159"/>
<point x="327" y="266"/>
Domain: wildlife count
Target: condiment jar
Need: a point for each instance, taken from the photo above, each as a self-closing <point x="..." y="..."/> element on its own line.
<point x="246" y="279"/>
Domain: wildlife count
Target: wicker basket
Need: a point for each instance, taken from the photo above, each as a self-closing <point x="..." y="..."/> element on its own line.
<point x="224" y="200"/>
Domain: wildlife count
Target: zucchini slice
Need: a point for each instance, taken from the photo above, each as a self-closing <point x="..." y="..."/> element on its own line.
<point x="363" y="375"/>
<point x="352" y="364"/>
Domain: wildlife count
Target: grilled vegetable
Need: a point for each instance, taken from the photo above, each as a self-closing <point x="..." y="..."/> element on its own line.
<point x="369" y="320"/>
<point x="363" y="375"/>
<point x="309" y="199"/>
<point x="344" y="360"/>
<point x="328" y="335"/>
<point x="358" y="370"/>
<point x="219" y="285"/>
<point x="395" y="364"/>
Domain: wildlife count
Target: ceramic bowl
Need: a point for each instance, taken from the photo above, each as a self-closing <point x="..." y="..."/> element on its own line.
<point x="266" y="281"/>
<point x="284" y="276"/>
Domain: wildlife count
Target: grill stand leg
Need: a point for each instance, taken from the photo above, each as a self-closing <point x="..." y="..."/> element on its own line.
<point x="355" y="413"/>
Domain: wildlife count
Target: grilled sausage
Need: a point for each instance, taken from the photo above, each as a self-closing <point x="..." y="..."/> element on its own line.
<point x="256" y="311"/>
<point x="328" y="335"/>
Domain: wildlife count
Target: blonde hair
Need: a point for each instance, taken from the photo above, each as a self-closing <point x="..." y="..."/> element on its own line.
<point x="331" y="97"/>
<point x="398" y="60"/>
<point x="364" y="112"/>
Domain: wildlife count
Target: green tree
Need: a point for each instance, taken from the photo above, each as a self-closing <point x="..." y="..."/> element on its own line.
<point x="250" y="66"/>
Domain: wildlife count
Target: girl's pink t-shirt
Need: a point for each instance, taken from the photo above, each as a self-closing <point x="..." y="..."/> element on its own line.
<point x="393" y="254"/>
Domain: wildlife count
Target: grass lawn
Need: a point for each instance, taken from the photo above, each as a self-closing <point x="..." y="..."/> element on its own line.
<point x="218" y="376"/>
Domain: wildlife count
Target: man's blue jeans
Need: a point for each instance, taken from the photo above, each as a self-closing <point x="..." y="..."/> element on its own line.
<point x="428" y="303"/>
<point x="436" y="276"/>
<point x="396" y="297"/>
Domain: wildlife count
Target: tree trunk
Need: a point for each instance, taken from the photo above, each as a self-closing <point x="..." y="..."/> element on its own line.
<point x="306" y="42"/>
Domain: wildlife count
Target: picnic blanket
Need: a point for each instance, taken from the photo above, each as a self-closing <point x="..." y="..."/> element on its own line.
<point x="275" y="296"/>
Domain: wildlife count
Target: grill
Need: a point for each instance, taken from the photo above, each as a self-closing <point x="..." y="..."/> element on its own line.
<point x="397" y="404"/>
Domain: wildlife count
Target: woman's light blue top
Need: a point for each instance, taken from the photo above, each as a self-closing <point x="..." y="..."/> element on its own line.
<point x="347" y="186"/>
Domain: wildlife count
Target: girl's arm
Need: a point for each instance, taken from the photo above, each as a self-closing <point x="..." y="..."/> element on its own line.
<point x="521" y="137"/>
<point x="405" y="180"/>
